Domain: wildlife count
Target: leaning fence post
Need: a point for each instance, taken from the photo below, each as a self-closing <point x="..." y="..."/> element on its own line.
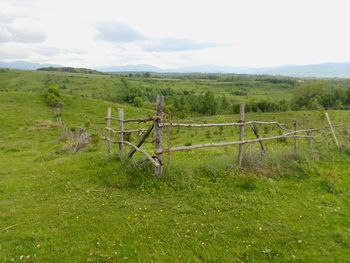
<point x="108" y="120"/>
<point x="241" y="133"/>
<point x="158" y="136"/>
<point x="295" y="126"/>
<point x="332" y="129"/>
<point x="120" y="132"/>
<point x="256" y="132"/>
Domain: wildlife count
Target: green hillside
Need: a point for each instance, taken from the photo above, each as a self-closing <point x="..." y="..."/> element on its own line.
<point x="61" y="206"/>
<point x="70" y="70"/>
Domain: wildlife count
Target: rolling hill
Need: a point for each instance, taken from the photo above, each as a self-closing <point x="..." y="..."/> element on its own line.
<point x="326" y="70"/>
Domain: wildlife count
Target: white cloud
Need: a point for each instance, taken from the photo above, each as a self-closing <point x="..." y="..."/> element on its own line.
<point x="6" y="18"/>
<point x="177" y="33"/>
<point x="22" y="35"/>
<point x="174" y="44"/>
<point x="47" y="51"/>
<point x="117" y="32"/>
<point x="14" y="28"/>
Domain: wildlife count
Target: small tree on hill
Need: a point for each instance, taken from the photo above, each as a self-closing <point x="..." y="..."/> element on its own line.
<point x="53" y="97"/>
<point x="138" y="102"/>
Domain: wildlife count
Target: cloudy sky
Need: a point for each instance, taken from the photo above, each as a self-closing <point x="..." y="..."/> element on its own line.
<point x="170" y="34"/>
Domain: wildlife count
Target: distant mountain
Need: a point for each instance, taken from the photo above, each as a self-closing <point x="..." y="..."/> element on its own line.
<point x="132" y="68"/>
<point x="71" y="70"/>
<point x="327" y="70"/>
<point x="213" y="69"/>
<point x="24" y="65"/>
<point x="150" y="68"/>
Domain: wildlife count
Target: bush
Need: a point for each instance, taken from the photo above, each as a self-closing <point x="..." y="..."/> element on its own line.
<point x="317" y="95"/>
<point x="52" y="96"/>
<point x="138" y="102"/>
<point x="240" y="93"/>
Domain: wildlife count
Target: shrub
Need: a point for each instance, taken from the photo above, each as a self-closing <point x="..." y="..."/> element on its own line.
<point x="240" y="93"/>
<point x="138" y="102"/>
<point x="53" y="96"/>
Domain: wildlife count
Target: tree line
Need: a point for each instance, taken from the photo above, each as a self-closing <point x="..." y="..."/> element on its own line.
<point x="314" y="95"/>
<point x="308" y="95"/>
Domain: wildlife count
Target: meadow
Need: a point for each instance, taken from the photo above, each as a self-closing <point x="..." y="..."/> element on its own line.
<point x="60" y="206"/>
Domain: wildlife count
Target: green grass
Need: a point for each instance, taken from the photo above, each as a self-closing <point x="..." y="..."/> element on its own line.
<point x="64" y="207"/>
<point x="109" y="87"/>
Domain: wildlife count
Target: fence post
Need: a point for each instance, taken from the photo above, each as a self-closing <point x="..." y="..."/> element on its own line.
<point x="241" y="133"/>
<point x="158" y="136"/>
<point x="120" y="132"/>
<point x="295" y="126"/>
<point x="332" y="129"/>
<point x="309" y="141"/>
<point x="256" y="132"/>
<point x="108" y="120"/>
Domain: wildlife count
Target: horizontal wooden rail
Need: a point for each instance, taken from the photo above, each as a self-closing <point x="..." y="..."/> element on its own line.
<point x="342" y="124"/>
<point x="198" y="125"/>
<point x="279" y="125"/>
<point x="314" y="129"/>
<point x="147" y="155"/>
<point x="134" y="120"/>
<point x="221" y="144"/>
<point x="126" y="131"/>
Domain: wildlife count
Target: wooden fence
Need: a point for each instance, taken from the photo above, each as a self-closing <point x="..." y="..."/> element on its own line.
<point x="158" y="123"/>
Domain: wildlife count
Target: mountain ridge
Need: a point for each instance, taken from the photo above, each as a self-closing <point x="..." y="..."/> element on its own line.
<point x="324" y="70"/>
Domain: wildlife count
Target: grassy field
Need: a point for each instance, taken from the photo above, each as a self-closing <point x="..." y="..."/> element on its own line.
<point x="109" y="87"/>
<point x="56" y="206"/>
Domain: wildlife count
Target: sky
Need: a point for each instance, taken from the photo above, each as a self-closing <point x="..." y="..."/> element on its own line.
<point x="175" y="33"/>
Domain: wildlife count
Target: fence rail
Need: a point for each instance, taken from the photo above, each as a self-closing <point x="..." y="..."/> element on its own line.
<point x="139" y="131"/>
<point x="133" y="120"/>
<point x="158" y="123"/>
<point x="147" y="155"/>
<point x="221" y="144"/>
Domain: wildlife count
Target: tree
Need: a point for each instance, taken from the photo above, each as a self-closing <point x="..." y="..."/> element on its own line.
<point x="147" y="74"/>
<point x="315" y="103"/>
<point x="340" y="95"/>
<point x="209" y="104"/>
<point x="138" y="102"/>
<point x="53" y="96"/>
<point x="348" y="95"/>
<point x="224" y="102"/>
<point x="305" y="92"/>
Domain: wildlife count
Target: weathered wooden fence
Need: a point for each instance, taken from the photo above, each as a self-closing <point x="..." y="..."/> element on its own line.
<point x="157" y="123"/>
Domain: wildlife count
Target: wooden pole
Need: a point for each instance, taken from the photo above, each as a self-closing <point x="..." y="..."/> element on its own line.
<point x="198" y="125"/>
<point x="139" y="131"/>
<point x="108" y="118"/>
<point x="149" y="157"/>
<point x="149" y="119"/>
<point x="256" y="132"/>
<point x="141" y="141"/>
<point x="241" y="134"/>
<point x="332" y="129"/>
<point x="120" y="132"/>
<point x="158" y="136"/>
<point x="295" y="126"/>
<point x="222" y="144"/>
<point x="309" y="141"/>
